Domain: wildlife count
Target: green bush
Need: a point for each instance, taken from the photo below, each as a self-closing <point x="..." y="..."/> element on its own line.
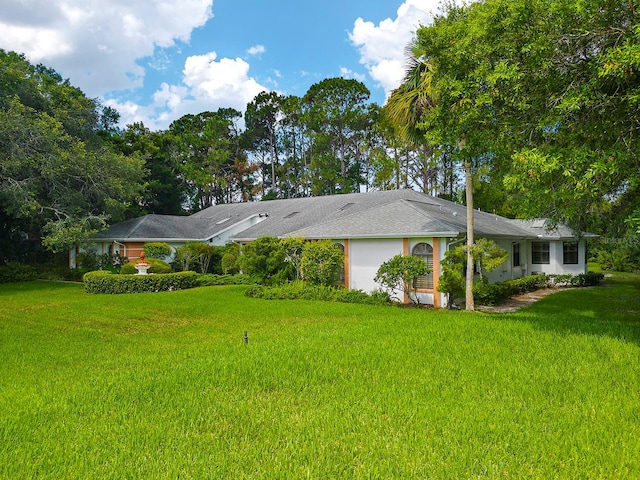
<point x="490" y="294"/>
<point x="16" y="272"/>
<point x="100" y="281"/>
<point x="157" y="266"/>
<point x="300" y="290"/>
<point x="321" y="262"/>
<point x="589" y="279"/>
<point x="265" y="260"/>
<point x="159" y="250"/>
<point x="211" y="279"/>
<point x="398" y="274"/>
<point x="617" y="254"/>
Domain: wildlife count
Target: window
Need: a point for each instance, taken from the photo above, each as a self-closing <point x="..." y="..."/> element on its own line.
<point x="424" y="251"/>
<point x="539" y="252"/>
<point x="570" y="252"/>
<point x="516" y="255"/>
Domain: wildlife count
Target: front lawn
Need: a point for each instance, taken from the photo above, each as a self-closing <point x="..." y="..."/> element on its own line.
<point x="163" y="386"/>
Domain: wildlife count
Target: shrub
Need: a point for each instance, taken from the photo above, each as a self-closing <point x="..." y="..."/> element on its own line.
<point x="490" y="294"/>
<point x="265" y="260"/>
<point x="159" y="250"/>
<point x="16" y="272"/>
<point x="157" y="266"/>
<point x="211" y="279"/>
<point x="229" y="260"/>
<point x="453" y="282"/>
<point x="255" y="291"/>
<point x="299" y="290"/>
<point x="617" y="254"/>
<point x="100" y="281"/>
<point x="589" y="279"/>
<point x="89" y="260"/>
<point x="321" y="262"/>
<point x="399" y="272"/>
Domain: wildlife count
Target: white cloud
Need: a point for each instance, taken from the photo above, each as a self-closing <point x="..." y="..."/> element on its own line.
<point x="256" y="50"/>
<point x="348" y="73"/>
<point x="381" y="46"/>
<point x="207" y="85"/>
<point x="95" y="43"/>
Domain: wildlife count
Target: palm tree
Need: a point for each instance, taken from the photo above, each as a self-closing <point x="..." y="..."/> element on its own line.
<point x="405" y="108"/>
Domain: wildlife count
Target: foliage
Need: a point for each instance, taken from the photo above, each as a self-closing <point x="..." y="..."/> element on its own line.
<point x="160" y="250"/>
<point x="91" y="260"/>
<point x="301" y="290"/>
<point x="211" y="279"/>
<point x="264" y="260"/>
<point x="16" y="272"/>
<point x="293" y="250"/>
<point x="399" y="274"/>
<point x="263" y="119"/>
<point x="184" y="258"/>
<point x="490" y="294"/>
<point x="229" y="260"/>
<point x="101" y="281"/>
<point x="157" y="266"/>
<point x="214" y="165"/>
<point x="486" y="253"/>
<point x="619" y="255"/>
<point x="208" y="257"/>
<point x="452" y="279"/>
<point x="544" y="92"/>
<point x="338" y="117"/>
<point x="321" y="262"/>
<point x="59" y="179"/>
<point x="165" y="189"/>
<point x="202" y="257"/>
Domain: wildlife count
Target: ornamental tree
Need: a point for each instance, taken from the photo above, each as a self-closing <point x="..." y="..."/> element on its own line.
<point x="399" y="274"/>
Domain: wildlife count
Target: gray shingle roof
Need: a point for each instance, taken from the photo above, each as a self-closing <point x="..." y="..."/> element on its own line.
<point x="544" y="229"/>
<point x="393" y="213"/>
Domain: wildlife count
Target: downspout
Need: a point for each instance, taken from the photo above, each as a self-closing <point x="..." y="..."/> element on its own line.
<point x="124" y="248"/>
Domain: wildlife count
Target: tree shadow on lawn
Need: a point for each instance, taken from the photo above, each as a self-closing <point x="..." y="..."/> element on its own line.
<point x="611" y="310"/>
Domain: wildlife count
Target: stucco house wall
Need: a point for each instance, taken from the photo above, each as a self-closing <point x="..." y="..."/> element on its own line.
<point x="365" y="258"/>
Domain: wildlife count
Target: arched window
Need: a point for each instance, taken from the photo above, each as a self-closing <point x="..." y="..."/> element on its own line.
<point x="424" y="251"/>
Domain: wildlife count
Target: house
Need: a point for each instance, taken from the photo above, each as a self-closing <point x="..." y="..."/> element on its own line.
<point x="370" y="228"/>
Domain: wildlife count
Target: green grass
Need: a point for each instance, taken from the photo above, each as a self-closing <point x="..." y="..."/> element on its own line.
<point x="162" y="386"/>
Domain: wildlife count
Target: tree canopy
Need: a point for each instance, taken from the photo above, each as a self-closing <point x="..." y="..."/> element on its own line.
<point x="59" y="181"/>
<point x="544" y="94"/>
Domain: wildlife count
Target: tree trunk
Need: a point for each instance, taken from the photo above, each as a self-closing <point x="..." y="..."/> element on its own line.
<point x="470" y="261"/>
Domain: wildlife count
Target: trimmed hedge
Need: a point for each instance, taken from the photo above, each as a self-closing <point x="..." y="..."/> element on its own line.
<point x="491" y="293"/>
<point x="101" y="281"/>
<point x="16" y="272"/>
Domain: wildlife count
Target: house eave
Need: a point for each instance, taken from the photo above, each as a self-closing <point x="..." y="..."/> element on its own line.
<point x="148" y="240"/>
<point x="362" y="236"/>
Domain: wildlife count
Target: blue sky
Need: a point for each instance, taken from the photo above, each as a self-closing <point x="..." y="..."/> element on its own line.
<point x="156" y="60"/>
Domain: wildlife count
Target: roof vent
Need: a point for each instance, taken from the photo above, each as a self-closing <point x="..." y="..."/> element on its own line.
<point x="347" y="205"/>
<point x="292" y="214"/>
<point x="223" y="220"/>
